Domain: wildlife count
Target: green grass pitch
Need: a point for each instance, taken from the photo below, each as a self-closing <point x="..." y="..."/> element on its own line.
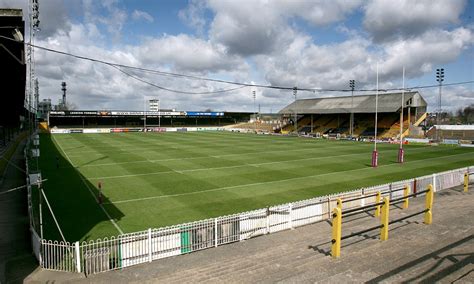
<point x="159" y="179"/>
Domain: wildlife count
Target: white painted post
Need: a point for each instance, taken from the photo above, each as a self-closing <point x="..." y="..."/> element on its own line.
<point x="215" y="232"/>
<point x="362" y="201"/>
<point x="435" y="186"/>
<point x="268" y="221"/>
<point x="329" y="207"/>
<point x="78" y="257"/>
<point x="149" y="246"/>
<point x="290" y="211"/>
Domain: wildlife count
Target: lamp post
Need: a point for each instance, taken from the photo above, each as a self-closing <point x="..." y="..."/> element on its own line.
<point x="440" y="79"/>
<point x="352" y="85"/>
<point x="159" y="114"/>
<point x="295" y="91"/>
<point x="254" y="113"/>
<point x="400" y="151"/>
<point x="375" y="154"/>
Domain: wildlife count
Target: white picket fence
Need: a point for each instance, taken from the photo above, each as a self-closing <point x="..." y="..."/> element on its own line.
<point x="145" y="246"/>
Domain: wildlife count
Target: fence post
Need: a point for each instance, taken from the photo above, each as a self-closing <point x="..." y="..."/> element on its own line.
<point x="384" y="219"/>
<point x="336" y="232"/>
<point x="78" y="257"/>
<point x="290" y="210"/>
<point x="435" y="184"/>
<point x="215" y="232"/>
<point x="429" y="205"/>
<point x="362" y="201"/>
<point x="466" y="182"/>
<point x="406" y="191"/>
<point x="378" y="198"/>
<point x="414" y="187"/>
<point x="339" y="203"/>
<point x="149" y="246"/>
<point x="268" y="221"/>
<point x="329" y="207"/>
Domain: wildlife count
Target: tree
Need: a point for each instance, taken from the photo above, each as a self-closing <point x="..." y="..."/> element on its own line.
<point x="466" y="115"/>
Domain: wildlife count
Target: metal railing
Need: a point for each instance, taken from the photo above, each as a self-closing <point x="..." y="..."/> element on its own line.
<point x="338" y="214"/>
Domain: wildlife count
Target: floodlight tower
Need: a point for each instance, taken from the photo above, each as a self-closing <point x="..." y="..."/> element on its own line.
<point x="440" y="79"/>
<point x="295" y="91"/>
<point x="254" y="113"/>
<point x="400" y="151"/>
<point x="375" y="154"/>
<point x="63" y="88"/>
<point x="33" y="8"/>
<point x="352" y="86"/>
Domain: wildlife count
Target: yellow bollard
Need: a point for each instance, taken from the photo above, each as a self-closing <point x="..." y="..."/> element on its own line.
<point x="429" y="205"/>
<point x="384" y="219"/>
<point x="336" y="232"/>
<point x="466" y="182"/>
<point x="378" y="198"/>
<point x="339" y="203"/>
<point x="406" y="191"/>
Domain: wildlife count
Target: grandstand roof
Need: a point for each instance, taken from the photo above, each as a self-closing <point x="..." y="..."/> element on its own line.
<point x="387" y="102"/>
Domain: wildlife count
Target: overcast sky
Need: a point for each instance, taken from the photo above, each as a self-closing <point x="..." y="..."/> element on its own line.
<point x="304" y="43"/>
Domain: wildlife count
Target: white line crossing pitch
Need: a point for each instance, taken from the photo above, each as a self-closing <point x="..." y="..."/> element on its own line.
<point x="262" y="183"/>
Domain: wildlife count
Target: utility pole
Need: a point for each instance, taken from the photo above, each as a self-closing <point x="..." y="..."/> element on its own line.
<point x="352" y="86"/>
<point x="440" y="79"/>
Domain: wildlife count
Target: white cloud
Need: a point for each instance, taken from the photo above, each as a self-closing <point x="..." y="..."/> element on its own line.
<point x="319" y="13"/>
<point x="452" y="98"/>
<point x="386" y="19"/>
<point x="420" y="54"/>
<point x="112" y="19"/>
<point x="97" y="86"/>
<point x="247" y="41"/>
<point x="138" y="15"/>
<point x="193" y="15"/>
<point x="186" y="53"/>
<point x="259" y="27"/>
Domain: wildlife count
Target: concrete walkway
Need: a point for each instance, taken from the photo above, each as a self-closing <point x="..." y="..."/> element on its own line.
<point x="415" y="252"/>
<point x="16" y="260"/>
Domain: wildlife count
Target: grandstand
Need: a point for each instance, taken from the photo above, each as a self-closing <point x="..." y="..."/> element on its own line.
<point x="12" y="76"/>
<point x="135" y="119"/>
<point x="332" y="115"/>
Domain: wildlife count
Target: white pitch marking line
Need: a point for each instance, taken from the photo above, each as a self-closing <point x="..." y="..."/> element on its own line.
<point x="90" y="191"/>
<point x="232" y="167"/>
<point x="203" y="157"/>
<point x="260" y="183"/>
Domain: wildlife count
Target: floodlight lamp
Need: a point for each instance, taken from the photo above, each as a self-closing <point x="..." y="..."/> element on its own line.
<point x="17" y="35"/>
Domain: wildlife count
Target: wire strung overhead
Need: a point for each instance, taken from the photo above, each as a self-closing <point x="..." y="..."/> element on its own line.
<point x="121" y="68"/>
<point x="171" y="90"/>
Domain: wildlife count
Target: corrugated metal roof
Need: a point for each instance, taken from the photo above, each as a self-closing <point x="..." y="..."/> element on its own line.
<point x="387" y="102"/>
